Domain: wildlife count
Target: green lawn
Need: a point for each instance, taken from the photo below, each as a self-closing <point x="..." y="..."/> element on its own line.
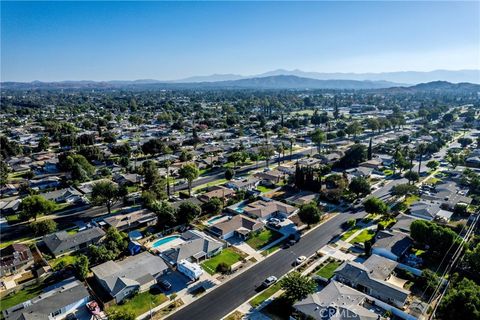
<point x="141" y="303"/>
<point x="263" y="238"/>
<point x="410" y="199"/>
<point x="387" y="223"/>
<point x="4" y="244"/>
<point x="433" y="180"/>
<point x="255" y="302"/>
<point x="67" y="259"/>
<point x="365" y="235"/>
<point x="264" y="189"/>
<point x="23" y="295"/>
<point x="272" y="249"/>
<point x="328" y="270"/>
<point x="351" y="231"/>
<point x="210" y="184"/>
<point x="228" y="256"/>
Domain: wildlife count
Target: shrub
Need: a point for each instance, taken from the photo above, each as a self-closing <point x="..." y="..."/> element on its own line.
<point x="222" y="267"/>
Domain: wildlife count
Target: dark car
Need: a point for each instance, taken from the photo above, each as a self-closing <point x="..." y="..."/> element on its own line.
<point x="165" y="285"/>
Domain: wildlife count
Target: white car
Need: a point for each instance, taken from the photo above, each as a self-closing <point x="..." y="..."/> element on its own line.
<point x="300" y="260"/>
<point x="269" y="281"/>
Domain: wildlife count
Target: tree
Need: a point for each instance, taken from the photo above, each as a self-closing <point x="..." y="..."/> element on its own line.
<point x="354" y="128"/>
<point x="189" y="172"/>
<point x="4" y="170"/>
<point x="41" y="228"/>
<point x="105" y="193"/>
<point x="360" y="187"/>
<point x="370" y="151"/>
<point x="462" y="301"/>
<point x="236" y="157"/>
<point x="310" y="213"/>
<point x="213" y="206"/>
<point x="267" y="152"/>
<point x="81" y="266"/>
<point x="33" y="206"/>
<point x="412" y="176"/>
<point x="404" y="189"/>
<point x="318" y="137"/>
<point x="297" y="287"/>
<point x="353" y="156"/>
<point x="428" y="281"/>
<point x="229" y="174"/>
<point x="187" y="212"/>
<point x="165" y="214"/>
<point x="454" y="159"/>
<point x="43" y="143"/>
<point x="439" y="239"/>
<point x="433" y="165"/>
<point x="421" y="148"/>
<point x="375" y="205"/>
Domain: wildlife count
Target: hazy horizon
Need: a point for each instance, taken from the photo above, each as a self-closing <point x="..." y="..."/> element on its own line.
<point x="101" y="41"/>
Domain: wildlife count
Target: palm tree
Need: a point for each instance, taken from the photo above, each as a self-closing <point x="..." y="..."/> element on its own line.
<point x="292" y="140"/>
<point x="166" y="165"/>
<point x="421" y="148"/>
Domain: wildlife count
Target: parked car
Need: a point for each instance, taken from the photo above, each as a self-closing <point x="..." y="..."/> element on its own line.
<point x="300" y="260"/>
<point x="269" y="281"/>
<point x="165" y="285"/>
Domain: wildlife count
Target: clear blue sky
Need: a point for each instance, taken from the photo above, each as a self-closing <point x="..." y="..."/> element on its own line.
<point x="170" y="40"/>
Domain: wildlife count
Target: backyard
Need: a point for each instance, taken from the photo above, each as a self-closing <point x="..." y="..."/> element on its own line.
<point x="141" y="303"/>
<point x="23" y="295"/>
<point x="263" y="238"/>
<point x="228" y="256"/>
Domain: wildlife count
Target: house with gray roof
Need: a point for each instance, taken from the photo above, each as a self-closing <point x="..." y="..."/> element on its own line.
<point x="53" y="304"/>
<point x="338" y="302"/>
<point x="15" y="258"/>
<point x="60" y="243"/>
<point x="195" y="246"/>
<point x="239" y="225"/>
<point x="391" y="244"/>
<point x="372" y="278"/>
<point x="123" y="278"/>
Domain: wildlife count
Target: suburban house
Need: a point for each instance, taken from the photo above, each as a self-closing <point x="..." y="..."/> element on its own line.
<point x="329" y="157"/>
<point x="375" y="164"/>
<point x="217" y="192"/>
<point x="335" y="300"/>
<point x="270" y="177"/>
<point x="60" y="243"/>
<point x="136" y="273"/>
<point x="67" y="195"/>
<point x="243" y="184"/>
<point x="265" y="209"/>
<point x="302" y="197"/>
<point x="448" y="195"/>
<point x="430" y="210"/>
<point x="391" y="244"/>
<point x="195" y="246"/>
<point x="54" y="304"/>
<point x="374" y="277"/>
<point x="132" y="220"/>
<point x="15" y="258"/>
<point x="239" y="225"/>
<point x="45" y="183"/>
<point x="403" y="223"/>
<point x="128" y="179"/>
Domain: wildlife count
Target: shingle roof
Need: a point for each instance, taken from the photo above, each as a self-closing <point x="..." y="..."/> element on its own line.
<point x="134" y="270"/>
<point x="62" y="241"/>
<point x="51" y="301"/>
<point x="197" y="244"/>
<point x="335" y="302"/>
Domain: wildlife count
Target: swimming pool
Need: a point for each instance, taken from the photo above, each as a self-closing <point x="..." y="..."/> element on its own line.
<point x="162" y="241"/>
<point x="241" y="206"/>
<point x="214" y="219"/>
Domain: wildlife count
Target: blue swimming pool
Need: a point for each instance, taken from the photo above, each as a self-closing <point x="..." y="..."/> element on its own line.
<point x="240" y="207"/>
<point x="214" y="219"/>
<point x="159" y="242"/>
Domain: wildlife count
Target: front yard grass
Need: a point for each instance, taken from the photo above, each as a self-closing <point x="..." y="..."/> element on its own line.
<point x="328" y="270"/>
<point x="23" y="295"/>
<point x="228" y="256"/>
<point x="141" y="303"/>
<point x="267" y="293"/>
<point x="351" y="231"/>
<point x="410" y="199"/>
<point x="263" y="238"/>
<point x="365" y="235"/>
<point x="66" y="260"/>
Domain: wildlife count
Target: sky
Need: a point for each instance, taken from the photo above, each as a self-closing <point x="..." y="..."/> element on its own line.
<point x="53" y="41"/>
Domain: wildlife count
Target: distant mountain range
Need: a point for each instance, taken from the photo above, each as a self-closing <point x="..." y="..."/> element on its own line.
<point x="261" y="83"/>
<point x="405" y="77"/>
